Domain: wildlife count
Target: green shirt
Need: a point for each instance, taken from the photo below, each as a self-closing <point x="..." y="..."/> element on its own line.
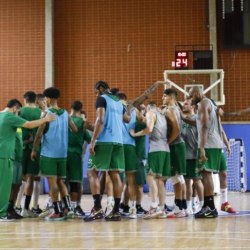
<point x="76" y="140"/>
<point x="19" y="146"/>
<point x="140" y="141"/>
<point x="30" y="114"/>
<point x="9" y="123"/>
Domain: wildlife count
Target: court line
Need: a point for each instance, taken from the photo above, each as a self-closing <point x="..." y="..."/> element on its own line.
<point x="115" y="232"/>
<point x="119" y="236"/>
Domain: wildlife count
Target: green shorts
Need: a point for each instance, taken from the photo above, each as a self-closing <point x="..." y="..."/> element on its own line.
<point x="53" y="166"/>
<point x="159" y="164"/>
<point x="74" y="167"/>
<point x="130" y="158"/>
<point x="214" y="160"/>
<point x="140" y="175"/>
<point x="17" y="173"/>
<point x="30" y="167"/>
<point x="223" y="163"/>
<point x="107" y="157"/>
<point x="178" y="159"/>
<point x="193" y="171"/>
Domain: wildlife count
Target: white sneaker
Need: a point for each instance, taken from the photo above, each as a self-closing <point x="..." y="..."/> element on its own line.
<point x="27" y="213"/>
<point x="177" y="213"/>
<point x="132" y="213"/>
<point x="109" y="209"/>
<point x="152" y="213"/>
<point x="46" y="212"/>
<point x="162" y="215"/>
<point x="189" y="211"/>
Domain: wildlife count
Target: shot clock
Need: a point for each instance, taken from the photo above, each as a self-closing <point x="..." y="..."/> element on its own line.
<point x="181" y="60"/>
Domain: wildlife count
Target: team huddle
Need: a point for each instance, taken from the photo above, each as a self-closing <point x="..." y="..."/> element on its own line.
<point x="42" y="139"/>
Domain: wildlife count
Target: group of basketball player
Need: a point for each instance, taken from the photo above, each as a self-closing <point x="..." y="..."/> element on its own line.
<point x="185" y="144"/>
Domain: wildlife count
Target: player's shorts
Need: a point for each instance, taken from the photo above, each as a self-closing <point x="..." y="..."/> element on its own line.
<point x="214" y="160"/>
<point x="53" y="167"/>
<point x="159" y="164"/>
<point x="107" y="157"/>
<point x="30" y="168"/>
<point x="192" y="169"/>
<point x="223" y="162"/>
<point x="130" y="158"/>
<point x="74" y="167"/>
<point x="17" y="173"/>
<point x="178" y="159"/>
<point x="140" y="175"/>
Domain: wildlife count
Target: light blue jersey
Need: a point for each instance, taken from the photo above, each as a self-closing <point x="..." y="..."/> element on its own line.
<point x="55" y="140"/>
<point x="127" y="138"/>
<point x="113" y="121"/>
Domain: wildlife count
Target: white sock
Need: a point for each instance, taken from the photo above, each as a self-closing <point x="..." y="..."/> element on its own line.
<point x="110" y="200"/>
<point x="193" y="200"/>
<point x="189" y="204"/>
<point x="201" y="203"/>
<point x="73" y="204"/>
<point x="132" y="204"/>
<point x="78" y="203"/>
<point x="162" y="208"/>
<point x="154" y="204"/>
<point x="223" y="195"/>
<point x="20" y="194"/>
<point x="36" y="193"/>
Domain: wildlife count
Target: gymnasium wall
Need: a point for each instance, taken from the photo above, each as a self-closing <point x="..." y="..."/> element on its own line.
<point x="21" y="48"/>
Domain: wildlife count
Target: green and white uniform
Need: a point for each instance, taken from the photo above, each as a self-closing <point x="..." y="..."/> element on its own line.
<point x="159" y="156"/>
<point x="29" y="167"/>
<point x="74" y="159"/>
<point x="178" y="149"/>
<point x="190" y="136"/>
<point x="8" y="126"/>
<point x="214" y="142"/>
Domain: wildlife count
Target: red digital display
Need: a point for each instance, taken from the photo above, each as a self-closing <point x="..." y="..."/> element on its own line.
<point x="181" y="60"/>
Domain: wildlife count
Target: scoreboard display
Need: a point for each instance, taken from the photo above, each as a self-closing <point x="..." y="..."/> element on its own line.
<point x="181" y="60"/>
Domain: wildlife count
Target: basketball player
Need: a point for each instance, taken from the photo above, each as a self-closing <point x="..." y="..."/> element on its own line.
<point x="177" y="153"/>
<point x="29" y="112"/>
<point x="9" y="122"/>
<point x="190" y="135"/>
<point x="106" y="149"/>
<point x="158" y="159"/>
<point x="74" y="159"/>
<point x="210" y="145"/>
<point x="53" y="159"/>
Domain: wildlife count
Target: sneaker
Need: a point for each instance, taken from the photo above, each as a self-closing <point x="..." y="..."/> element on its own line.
<point x="167" y="209"/>
<point x="37" y="211"/>
<point x="55" y="217"/>
<point x="78" y="212"/>
<point x="125" y="211"/>
<point x="68" y="213"/>
<point x="162" y="215"/>
<point x="28" y="213"/>
<point x="122" y="206"/>
<point x="140" y="210"/>
<point x="189" y="211"/>
<point x="12" y="213"/>
<point x="47" y="211"/>
<point x="132" y="213"/>
<point x="109" y="209"/>
<point x="94" y="215"/>
<point x="7" y="218"/>
<point x="206" y="212"/>
<point x="176" y="213"/>
<point x="113" y="216"/>
<point x="18" y="210"/>
<point x="226" y="207"/>
<point x="152" y="213"/>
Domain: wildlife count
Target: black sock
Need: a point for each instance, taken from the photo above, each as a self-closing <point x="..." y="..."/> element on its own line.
<point x="209" y="201"/>
<point x="11" y="206"/>
<point x="184" y="204"/>
<point x="117" y="204"/>
<point x="97" y="201"/>
<point x="27" y="202"/>
<point x="66" y="201"/>
<point x="178" y="203"/>
<point x="57" y="207"/>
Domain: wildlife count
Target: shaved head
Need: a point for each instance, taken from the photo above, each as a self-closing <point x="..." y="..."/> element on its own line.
<point x="196" y="94"/>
